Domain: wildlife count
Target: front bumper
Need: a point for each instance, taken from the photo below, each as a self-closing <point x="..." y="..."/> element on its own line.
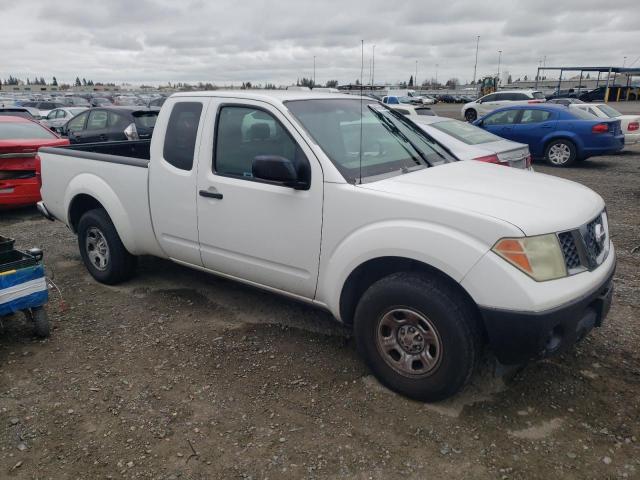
<point x="517" y="337"/>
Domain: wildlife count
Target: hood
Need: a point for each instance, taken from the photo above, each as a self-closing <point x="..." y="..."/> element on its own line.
<point x="533" y="202"/>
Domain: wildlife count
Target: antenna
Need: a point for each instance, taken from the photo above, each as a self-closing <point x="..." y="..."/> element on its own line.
<point x="361" y="93"/>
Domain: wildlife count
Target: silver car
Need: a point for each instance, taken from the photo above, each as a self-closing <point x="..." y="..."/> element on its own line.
<point x="60" y="116"/>
<point x="468" y="142"/>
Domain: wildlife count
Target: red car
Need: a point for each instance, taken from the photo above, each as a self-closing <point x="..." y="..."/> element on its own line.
<point x="20" y="139"/>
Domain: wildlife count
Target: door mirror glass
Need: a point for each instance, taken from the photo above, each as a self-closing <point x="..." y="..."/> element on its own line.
<point x="275" y="168"/>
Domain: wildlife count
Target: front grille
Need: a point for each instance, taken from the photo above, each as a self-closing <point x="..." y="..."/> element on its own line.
<point x="583" y="248"/>
<point x="569" y="250"/>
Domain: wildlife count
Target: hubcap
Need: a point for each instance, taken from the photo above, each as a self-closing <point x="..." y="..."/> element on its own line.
<point x="559" y="153"/>
<point x="97" y="248"/>
<point x="408" y="342"/>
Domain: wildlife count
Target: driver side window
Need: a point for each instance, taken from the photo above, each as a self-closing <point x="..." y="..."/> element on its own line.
<point x="243" y="133"/>
<point x="77" y="123"/>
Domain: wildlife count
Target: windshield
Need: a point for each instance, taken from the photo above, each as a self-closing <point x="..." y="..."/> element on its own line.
<point x="465" y="132"/>
<point x="145" y="119"/>
<point x="23" y="130"/>
<point x="609" y="111"/>
<point x="365" y="140"/>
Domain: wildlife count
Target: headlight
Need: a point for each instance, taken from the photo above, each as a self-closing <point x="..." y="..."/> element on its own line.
<point x="539" y="257"/>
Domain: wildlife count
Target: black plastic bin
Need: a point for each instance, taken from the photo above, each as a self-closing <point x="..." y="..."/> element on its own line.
<point x="6" y="244"/>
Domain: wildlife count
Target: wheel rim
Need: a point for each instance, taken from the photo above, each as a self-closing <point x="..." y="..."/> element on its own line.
<point x="559" y="153"/>
<point x="408" y="342"/>
<point x="97" y="249"/>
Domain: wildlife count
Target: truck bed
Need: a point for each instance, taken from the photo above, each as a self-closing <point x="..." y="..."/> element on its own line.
<point x="113" y="173"/>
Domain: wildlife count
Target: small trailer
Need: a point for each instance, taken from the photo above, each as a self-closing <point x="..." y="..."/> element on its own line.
<point x="23" y="286"/>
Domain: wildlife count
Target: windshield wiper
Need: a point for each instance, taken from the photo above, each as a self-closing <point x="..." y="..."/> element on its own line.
<point x="394" y="128"/>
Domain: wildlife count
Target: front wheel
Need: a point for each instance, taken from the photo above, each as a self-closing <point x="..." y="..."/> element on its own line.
<point x="561" y="153"/>
<point x="102" y="251"/>
<point x="470" y="115"/>
<point x="418" y="334"/>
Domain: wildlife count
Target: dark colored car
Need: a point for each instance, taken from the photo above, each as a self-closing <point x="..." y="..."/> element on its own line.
<point x="20" y="139"/>
<point x="43" y="105"/>
<point x="75" y="102"/>
<point x="106" y="124"/>
<point x="569" y="93"/>
<point x="24" y="112"/>
<point x="100" y="102"/>
<point x="558" y="134"/>
<point x="597" y="94"/>
<point x="446" y="98"/>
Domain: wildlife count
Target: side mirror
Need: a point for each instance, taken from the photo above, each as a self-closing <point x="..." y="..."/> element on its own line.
<point x="277" y="169"/>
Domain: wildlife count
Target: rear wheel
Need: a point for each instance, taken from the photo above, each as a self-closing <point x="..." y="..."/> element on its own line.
<point x="470" y="115"/>
<point x="102" y="251"/>
<point x="418" y="335"/>
<point x="560" y="153"/>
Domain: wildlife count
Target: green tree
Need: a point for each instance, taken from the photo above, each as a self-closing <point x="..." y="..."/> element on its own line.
<point x="332" y="84"/>
<point x="509" y="80"/>
<point x="78" y="83"/>
<point x="411" y="81"/>
<point x="54" y="82"/>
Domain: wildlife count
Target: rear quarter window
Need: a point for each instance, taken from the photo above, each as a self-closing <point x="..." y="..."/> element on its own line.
<point x="180" y="138"/>
<point x="146" y="119"/>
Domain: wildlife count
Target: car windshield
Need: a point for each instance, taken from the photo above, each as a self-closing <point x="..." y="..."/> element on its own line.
<point x="609" y="111"/>
<point x="465" y="132"/>
<point x="367" y="141"/>
<point x="23" y="130"/>
<point x="538" y="95"/>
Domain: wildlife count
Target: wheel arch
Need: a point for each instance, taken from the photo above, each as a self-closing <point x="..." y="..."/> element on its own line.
<point x="563" y="135"/>
<point x="372" y="270"/>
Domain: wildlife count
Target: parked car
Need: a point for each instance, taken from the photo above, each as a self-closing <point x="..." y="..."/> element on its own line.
<point x="568" y="93"/>
<point x="75" y="102"/>
<point x="472" y="110"/>
<point x="397" y="100"/>
<point x="111" y="124"/>
<point x="446" y="98"/>
<point x="43" y="107"/>
<point x="339" y="202"/>
<point x="564" y="101"/>
<point x="598" y="94"/>
<point x="20" y="139"/>
<point x="100" y="102"/>
<point x="24" y="112"/>
<point x="630" y="124"/>
<point x="556" y="133"/>
<point x="58" y="117"/>
<point x="468" y="142"/>
<point x="157" y="102"/>
<point x="412" y="111"/>
<point x="421" y="99"/>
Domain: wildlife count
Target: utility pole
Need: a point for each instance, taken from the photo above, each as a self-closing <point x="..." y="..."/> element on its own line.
<point x="415" y="79"/>
<point x="314" y="70"/>
<point x="436" y="75"/>
<point x="475" y="66"/>
<point x="373" y="66"/>
<point x="624" y="62"/>
<point x="499" y="60"/>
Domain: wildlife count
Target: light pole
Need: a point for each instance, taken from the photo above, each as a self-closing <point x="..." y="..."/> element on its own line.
<point x="373" y="66"/>
<point x="436" y="75"/>
<point x="415" y="79"/>
<point x="314" y="70"/>
<point x="499" y="60"/>
<point x="475" y="66"/>
<point x="624" y="62"/>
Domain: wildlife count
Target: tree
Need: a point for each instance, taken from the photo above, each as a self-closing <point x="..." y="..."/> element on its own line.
<point x="411" y="81"/>
<point x="588" y="76"/>
<point x="332" y="83"/>
<point x="84" y="82"/>
<point x="54" y="82"/>
<point x="509" y="80"/>
<point x="78" y="83"/>
<point x="452" y="82"/>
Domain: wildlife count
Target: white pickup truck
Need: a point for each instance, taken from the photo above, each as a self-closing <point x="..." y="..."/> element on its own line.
<point x="342" y="203"/>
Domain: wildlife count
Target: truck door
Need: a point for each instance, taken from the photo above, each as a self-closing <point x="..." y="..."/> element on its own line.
<point x="254" y="230"/>
<point x="173" y="179"/>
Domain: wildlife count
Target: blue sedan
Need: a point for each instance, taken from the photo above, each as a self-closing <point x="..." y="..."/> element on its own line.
<point x="555" y="133"/>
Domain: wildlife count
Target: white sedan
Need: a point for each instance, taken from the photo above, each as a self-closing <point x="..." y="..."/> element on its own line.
<point x="630" y="124"/>
<point x="468" y="142"/>
<point x="60" y="116"/>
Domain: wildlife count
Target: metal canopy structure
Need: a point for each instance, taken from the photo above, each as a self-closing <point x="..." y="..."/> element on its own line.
<point x="611" y="74"/>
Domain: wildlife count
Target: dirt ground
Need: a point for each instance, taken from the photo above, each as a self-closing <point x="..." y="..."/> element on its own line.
<point x="181" y="375"/>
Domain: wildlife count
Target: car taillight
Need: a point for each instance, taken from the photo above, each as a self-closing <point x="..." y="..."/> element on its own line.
<point x="131" y="132"/>
<point x="528" y="161"/>
<point x="633" y="126"/>
<point x="600" y="128"/>
<point x="492" y="159"/>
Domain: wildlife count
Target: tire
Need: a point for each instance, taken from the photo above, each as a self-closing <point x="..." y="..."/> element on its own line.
<point x="41" y="325"/>
<point x="470" y="115"/>
<point x="560" y="153"/>
<point x="439" y="354"/>
<point x="102" y="251"/>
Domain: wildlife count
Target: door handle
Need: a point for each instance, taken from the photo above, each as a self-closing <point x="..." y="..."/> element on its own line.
<point x="103" y="137"/>
<point x="546" y="125"/>
<point x="208" y="194"/>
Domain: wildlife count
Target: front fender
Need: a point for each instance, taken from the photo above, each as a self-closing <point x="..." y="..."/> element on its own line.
<point x="448" y="250"/>
<point x="96" y="187"/>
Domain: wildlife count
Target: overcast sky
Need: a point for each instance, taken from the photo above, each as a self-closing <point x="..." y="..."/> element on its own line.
<point x="224" y="41"/>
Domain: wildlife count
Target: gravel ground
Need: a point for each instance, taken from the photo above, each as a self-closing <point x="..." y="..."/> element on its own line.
<point x="177" y="374"/>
